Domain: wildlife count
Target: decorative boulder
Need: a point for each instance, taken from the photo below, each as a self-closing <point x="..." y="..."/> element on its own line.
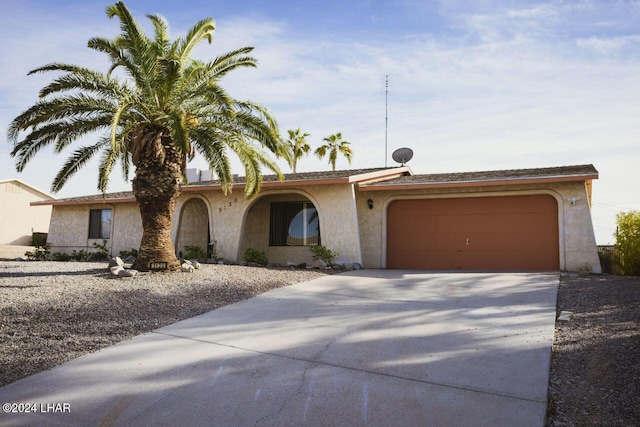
<point x="116" y="269"/>
<point x="187" y="267"/>
<point x="116" y="261"/>
<point x="127" y="273"/>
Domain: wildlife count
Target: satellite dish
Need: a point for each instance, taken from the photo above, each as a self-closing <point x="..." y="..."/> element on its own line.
<point x="402" y="155"/>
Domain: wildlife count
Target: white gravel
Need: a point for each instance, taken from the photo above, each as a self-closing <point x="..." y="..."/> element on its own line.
<point x="52" y="312"/>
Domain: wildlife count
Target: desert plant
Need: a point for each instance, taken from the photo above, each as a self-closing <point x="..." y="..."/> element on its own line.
<point x="628" y="242"/>
<point x="324" y="254"/>
<point x="39" y="253"/>
<point x="152" y="110"/>
<point x="194" y="252"/>
<point x="256" y="256"/>
<point x="334" y="145"/>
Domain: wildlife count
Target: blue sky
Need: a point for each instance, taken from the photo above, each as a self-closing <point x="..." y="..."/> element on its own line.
<point x="473" y="85"/>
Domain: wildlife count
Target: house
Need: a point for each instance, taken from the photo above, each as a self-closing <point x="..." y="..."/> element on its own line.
<point x="525" y="219"/>
<point x="18" y="218"/>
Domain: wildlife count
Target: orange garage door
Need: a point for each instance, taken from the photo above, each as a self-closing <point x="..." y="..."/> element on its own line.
<point x="486" y="233"/>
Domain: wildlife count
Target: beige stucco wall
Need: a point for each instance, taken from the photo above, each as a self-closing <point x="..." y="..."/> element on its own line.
<point x="577" y="244"/>
<point x="18" y="218"/>
<point x="69" y="229"/>
<point x="347" y="225"/>
<point x="237" y="224"/>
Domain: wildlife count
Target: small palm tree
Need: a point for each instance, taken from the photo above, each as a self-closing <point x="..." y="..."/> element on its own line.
<point x="163" y="108"/>
<point x="334" y="145"/>
<point x="297" y="146"/>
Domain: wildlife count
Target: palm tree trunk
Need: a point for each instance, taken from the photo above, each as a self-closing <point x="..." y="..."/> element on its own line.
<point x="156" y="187"/>
<point x="156" y="243"/>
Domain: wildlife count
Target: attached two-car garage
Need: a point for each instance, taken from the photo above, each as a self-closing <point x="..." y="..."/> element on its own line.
<point x="475" y="233"/>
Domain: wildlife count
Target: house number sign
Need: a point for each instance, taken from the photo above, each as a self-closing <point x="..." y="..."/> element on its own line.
<point x="158" y="265"/>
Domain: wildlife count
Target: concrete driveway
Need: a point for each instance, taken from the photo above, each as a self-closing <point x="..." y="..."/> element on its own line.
<point x="368" y="347"/>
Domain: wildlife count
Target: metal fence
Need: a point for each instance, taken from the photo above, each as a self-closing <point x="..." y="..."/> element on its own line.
<point x="607" y="256"/>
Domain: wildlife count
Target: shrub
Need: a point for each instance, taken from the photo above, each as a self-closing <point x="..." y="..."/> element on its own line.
<point x="628" y="242"/>
<point x="194" y="252"/>
<point x="131" y="253"/>
<point x="324" y="254"/>
<point x="39" y="253"/>
<point x="256" y="256"/>
<point x="60" y="256"/>
<point x="101" y="254"/>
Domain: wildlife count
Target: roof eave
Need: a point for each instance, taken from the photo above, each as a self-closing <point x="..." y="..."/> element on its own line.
<point x="479" y="183"/>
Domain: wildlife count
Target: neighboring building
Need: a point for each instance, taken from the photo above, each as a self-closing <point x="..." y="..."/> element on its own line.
<point x="527" y="219"/>
<point x="18" y="218"/>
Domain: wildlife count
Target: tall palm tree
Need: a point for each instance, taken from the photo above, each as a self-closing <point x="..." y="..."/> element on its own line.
<point x="334" y="145"/>
<point x="155" y="114"/>
<point x="297" y="145"/>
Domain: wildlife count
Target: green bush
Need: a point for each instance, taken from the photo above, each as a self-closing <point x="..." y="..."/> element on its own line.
<point x="324" y="254"/>
<point x="131" y="253"/>
<point x="60" y="256"/>
<point x="39" y="253"/>
<point x="628" y="242"/>
<point x="256" y="256"/>
<point x="194" y="252"/>
<point x="101" y="254"/>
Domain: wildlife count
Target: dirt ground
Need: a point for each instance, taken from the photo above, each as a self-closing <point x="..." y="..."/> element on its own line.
<point x="595" y="364"/>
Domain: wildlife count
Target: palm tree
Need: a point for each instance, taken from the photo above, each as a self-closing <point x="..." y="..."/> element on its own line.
<point x="334" y="144"/>
<point x="297" y="145"/>
<point x="155" y="115"/>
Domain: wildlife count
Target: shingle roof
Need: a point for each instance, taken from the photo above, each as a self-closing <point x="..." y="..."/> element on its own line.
<point x="550" y="173"/>
<point x="463" y="178"/>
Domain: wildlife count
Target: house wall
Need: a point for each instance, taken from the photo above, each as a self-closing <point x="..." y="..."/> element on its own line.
<point x="69" y="229"/>
<point x="347" y="224"/>
<point x="577" y="242"/>
<point x="18" y="218"/>
<point x="237" y="224"/>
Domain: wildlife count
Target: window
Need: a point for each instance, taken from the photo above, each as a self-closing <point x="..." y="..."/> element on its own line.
<point x="100" y="223"/>
<point x="294" y="224"/>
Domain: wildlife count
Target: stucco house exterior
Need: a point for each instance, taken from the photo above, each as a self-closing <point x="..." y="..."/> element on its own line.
<point x="524" y="219"/>
<point x="18" y="218"/>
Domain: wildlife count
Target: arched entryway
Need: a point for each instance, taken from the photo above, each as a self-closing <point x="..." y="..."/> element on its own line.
<point x="283" y="226"/>
<point x="193" y="230"/>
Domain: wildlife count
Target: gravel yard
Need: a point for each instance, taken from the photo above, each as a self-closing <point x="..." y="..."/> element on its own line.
<point x="52" y="312"/>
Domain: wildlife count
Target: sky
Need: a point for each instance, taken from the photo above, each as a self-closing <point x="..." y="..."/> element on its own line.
<point x="473" y="85"/>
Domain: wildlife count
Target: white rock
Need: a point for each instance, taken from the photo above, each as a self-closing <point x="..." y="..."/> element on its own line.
<point x="127" y="273"/>
<point x="195" y="264"/>
<point x="116" y="269"/>
<point x="116" y="261"/>
<point x="187" y="268"/>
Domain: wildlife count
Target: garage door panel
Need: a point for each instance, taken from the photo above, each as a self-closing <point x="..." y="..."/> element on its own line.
<point x="492" y="233"/>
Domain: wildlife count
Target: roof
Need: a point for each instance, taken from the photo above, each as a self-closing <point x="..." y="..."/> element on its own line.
<point x="484" y="178"/>
<point x="24" y="184"/>
<point x="395" y="178"/>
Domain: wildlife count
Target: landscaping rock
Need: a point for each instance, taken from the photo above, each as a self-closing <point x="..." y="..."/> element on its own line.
<point x="116" y="261"/>
<point x="127" y="273"/>
<point x="195" y="264"/>
<point x="116" y="269"/>
<point x="187" y="268"/>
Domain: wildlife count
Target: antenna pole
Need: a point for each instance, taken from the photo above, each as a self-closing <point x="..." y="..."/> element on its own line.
<point x="386" y="117"/>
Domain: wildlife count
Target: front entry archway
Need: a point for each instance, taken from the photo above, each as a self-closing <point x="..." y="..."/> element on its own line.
<point x="193" y="229"/>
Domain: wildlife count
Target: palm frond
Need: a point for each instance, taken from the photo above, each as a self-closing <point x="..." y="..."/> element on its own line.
<point x="79" y="158"/>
